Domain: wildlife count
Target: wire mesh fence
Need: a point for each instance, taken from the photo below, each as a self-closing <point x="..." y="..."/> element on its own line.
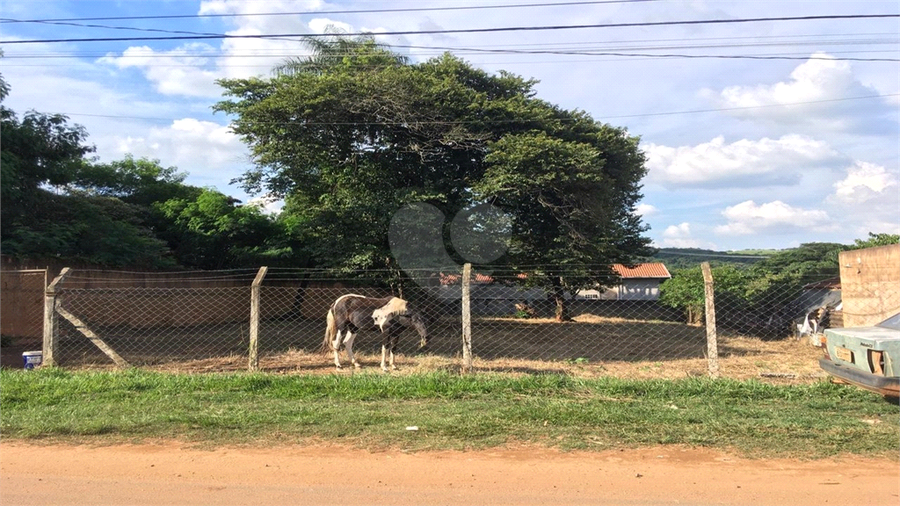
<point x="205" y="321"/>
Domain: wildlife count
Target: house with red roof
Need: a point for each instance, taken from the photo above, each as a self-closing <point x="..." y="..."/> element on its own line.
<point x="638" y="282"/>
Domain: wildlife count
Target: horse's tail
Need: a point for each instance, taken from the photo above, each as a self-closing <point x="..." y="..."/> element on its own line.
<point x="330" y="333"/>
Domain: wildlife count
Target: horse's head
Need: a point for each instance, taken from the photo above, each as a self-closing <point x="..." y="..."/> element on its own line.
<point x="415" y="320"/>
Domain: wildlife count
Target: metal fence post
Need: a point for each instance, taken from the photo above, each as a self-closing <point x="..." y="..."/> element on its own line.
<point x="254" y="319"/>
<point x="712" y="347"/>
<point x="467" y="318"/>
<point x="49" y="346"/>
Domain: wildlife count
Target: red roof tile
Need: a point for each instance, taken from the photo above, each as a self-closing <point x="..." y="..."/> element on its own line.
<point x="649" y="270"/>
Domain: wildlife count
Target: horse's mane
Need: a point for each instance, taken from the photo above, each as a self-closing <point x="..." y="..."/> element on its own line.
<point x="394" y="307"/>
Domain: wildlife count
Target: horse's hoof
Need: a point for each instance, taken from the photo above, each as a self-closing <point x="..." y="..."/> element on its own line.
<point x="357" y="366"/>
<point x="338" y="367"/>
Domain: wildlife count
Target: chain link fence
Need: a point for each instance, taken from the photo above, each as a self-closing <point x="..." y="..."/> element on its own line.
<point x="274" y="320"/>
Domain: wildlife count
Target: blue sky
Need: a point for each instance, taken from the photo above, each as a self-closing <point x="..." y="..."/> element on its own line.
<point x="757" y="134"/>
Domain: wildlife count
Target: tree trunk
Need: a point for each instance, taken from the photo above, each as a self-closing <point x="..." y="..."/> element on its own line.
<point x="694" y="316"/>
<point x="396" y="280"/>
<point x="562" y="310"/>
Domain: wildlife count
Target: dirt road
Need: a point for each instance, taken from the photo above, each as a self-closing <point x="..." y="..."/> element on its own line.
<point x="170" y="473"/>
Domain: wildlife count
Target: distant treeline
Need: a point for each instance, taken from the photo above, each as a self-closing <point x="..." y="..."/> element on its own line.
<point x="682" y="258"/>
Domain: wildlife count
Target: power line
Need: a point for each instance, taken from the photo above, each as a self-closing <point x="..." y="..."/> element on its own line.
<point x="469" y="30"/>
<point x="306" y="13"/>
<point x="67" y="22"/>
<point x="643" y="55"/>
<point x="758" y="40"/>
<point x="831" y="56"/>
<point x="815" y="40"/>
<point x="669" y="113"/>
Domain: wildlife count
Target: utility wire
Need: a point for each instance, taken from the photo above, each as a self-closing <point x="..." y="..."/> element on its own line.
<point x="640" y="115"/>
<point x="319" y="13"/>
<point x="640" y="55"/>
<point x="469" y="30"/>
<point x="709" y="42"/>
<point x="564" y="48"/>
<point x="59" y="22"/>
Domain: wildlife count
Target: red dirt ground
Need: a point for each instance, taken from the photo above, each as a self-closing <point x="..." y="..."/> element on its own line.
<point x="170" y="473"/>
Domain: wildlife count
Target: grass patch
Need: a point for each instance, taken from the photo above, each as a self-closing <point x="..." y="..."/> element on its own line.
<point x="452" y="412"/>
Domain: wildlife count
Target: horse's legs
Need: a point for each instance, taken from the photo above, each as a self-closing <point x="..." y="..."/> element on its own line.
<point x="348" y="343"/>
<point x="388" y="346"/>
<point x="394" y="340"/>
<point x="336" y="345"/>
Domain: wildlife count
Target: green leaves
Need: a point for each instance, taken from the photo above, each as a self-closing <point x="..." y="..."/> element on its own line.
<point x="211" y="232"/>
<point x="354" y="133"/>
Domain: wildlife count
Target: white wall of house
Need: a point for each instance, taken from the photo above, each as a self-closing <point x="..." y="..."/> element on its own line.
<point x="630" y="289"/>
<point x="605" y="294"/>
<point x="639" y="289"/>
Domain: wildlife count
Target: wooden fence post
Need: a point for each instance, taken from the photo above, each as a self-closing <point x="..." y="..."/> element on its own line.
<point x="254" y="318"/>
<point x="467" y="317"/>
<point x="49" y="345"/>
<point x="712" y="347"/>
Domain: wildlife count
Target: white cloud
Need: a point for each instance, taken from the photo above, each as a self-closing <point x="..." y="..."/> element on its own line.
<point x="816" y="95"/>
<point x="867" y="199"/>
<point x="209" y="152"/>
<point x="742" y="163"/>
<point x="820" y="78"/>
<point x="184" y="71"/>
<point x="192" y="69"/>
<point x="864" y="182"/>
<point x="246" y="57"/>
<point x="679" y="231"/>
<point x="267" y="204"/>
<point x="771" y="218"/>
<point x="320" y="25"/>
<point x="646" y="210"/>
<point x="680" y="236"/>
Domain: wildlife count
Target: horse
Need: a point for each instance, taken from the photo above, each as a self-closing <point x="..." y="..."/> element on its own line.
<point x="351" y="313"/>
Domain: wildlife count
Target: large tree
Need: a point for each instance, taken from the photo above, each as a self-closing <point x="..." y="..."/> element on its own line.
<point x="354" y="132"/>
<point x="875" y="240"/>
<point x="212" y="232"/>
<point x="36" y="151"/>
<point x="132" y="212"/>
<point x="572" y="194"/>
<point x="40" y="151"/>
<point x="142" y="181"/>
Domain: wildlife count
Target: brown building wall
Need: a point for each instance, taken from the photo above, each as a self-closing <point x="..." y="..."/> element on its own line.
<point x="103" y="298"/>
<point x="22" y="303"/>
<point x="870" y="284"/>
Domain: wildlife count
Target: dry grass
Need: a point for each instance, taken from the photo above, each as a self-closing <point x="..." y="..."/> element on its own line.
<point x="778" y="362"/>
<point x="590" y="346"/>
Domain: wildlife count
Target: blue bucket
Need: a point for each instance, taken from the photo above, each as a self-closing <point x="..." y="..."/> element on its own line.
<point x="32" y="359"/>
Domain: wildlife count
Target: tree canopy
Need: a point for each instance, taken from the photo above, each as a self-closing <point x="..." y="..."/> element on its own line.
<point x="132" y="213"/>
<point x="353" y="137"/>
<point x="354" y="133"/>
<point x="875" y="240"/>
<point x="758" y="291"/>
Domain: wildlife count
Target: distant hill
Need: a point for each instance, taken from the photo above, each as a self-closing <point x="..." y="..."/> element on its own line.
<point x="680" y="258"/>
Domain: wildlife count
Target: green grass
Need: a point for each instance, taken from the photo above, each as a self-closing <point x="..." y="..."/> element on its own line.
<point x="452" y="412"/>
